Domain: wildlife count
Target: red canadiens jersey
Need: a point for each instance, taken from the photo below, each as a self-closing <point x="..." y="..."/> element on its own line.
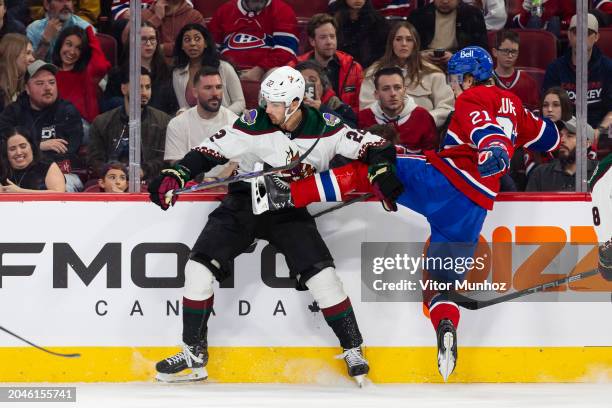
<point x="484" y="114"/>
<point x="267" y="39"/>
<point x="524" y="86"/>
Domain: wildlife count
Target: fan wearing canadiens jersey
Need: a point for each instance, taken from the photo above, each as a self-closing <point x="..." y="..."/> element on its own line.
<point x="272" y="135"/>
<point x="452" y="188"/>
<point x="255" y="35"/>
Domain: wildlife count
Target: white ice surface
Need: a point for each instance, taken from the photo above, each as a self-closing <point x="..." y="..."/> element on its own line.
<point x="209" y="395"/>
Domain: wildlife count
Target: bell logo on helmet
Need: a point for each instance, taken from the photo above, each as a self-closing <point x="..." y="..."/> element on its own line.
<point x="467" y="53"/>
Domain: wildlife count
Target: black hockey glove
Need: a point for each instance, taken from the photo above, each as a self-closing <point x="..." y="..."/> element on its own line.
<point x="385" y="184"/>
<point x="168" y="180"/>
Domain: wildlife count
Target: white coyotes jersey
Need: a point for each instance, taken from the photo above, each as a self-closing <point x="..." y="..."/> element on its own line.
<point x="254" y="139"/>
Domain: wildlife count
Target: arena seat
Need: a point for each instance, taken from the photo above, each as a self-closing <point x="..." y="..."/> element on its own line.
<point x="109" y="47"/>
<point x="308" y="8"/>
<point x="537" y="50"/>
<point x="536" y="73"/>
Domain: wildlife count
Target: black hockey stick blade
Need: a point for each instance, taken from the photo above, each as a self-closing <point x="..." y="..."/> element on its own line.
<point x="343" y="204"/>
<point x="246" y="176"/>
<point x="72" y="355"/>
<point x="475" y="304"/>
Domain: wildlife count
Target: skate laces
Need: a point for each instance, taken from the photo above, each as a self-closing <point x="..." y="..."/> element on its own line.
<point x="353" y="357"/>
<point x="186" y="355"/>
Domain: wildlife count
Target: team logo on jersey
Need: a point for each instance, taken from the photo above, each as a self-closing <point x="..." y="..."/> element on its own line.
<point x="249" y="117"/>
<point x="241" y="41"/>
<point x="330" y="119"/>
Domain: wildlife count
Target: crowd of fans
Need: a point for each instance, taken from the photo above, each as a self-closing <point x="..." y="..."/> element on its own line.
<point x="376" y="64"/>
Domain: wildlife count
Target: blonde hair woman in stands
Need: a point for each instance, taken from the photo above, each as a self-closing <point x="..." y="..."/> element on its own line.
<point x="425" y="83"/>
<point x="16" y="53"/>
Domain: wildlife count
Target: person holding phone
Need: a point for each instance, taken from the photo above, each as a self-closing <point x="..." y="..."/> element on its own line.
<point x="320" y="95"/>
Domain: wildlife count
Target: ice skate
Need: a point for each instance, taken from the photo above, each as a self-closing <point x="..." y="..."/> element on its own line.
<point x="356" y="365"/>
<point x="192" y="360"/>
<point x="447" y="348"/>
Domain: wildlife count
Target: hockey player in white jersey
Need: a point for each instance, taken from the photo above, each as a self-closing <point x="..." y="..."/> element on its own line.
<point x="274" y="135"/>
<point x="601" y="194"/>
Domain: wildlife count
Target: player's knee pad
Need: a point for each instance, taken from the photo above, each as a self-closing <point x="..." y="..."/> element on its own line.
<point x="326" y="288"/>
<point x="198" y="281"/>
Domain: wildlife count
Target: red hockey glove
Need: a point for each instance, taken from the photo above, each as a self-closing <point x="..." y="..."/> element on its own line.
<point x="493" y="159"/>
<point x="168" y="180"/>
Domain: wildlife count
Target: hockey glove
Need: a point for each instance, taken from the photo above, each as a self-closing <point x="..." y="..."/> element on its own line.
<point x="493" y="159"/>
<point x="168" y="180"/>
<point x="385" y="184"/>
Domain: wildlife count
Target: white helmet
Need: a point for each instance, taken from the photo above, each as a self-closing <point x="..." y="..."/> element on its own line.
<point x="284" y="84"/>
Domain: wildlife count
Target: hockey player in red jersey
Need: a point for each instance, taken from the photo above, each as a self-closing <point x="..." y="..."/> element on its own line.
<point x="255" y="35"/>
<point x="452" y="188"/>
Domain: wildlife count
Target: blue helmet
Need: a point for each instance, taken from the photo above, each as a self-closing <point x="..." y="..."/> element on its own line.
<point x="471" y="60"/>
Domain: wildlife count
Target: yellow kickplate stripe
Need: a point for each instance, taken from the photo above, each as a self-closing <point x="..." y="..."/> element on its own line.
<point x="314" y="365"/>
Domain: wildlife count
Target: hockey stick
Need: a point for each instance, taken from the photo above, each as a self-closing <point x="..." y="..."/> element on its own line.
<point x="246" y="176"/>
<point x="72" y="355"/>
<point x="474" y="304"/>
<point x="343" y="204"/>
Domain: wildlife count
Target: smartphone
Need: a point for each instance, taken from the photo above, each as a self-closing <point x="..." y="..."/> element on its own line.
<point x="439" y="52"/>
<point x="310" y="90"/>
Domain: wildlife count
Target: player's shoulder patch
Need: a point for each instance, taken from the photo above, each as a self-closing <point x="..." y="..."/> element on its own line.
<point x="331" y="120"/>
<point x="249" y="117"/>
<point x="253" y="121"/>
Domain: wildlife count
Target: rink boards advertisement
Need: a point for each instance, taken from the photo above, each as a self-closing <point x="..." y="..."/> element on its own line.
<point x="104" y="278"/>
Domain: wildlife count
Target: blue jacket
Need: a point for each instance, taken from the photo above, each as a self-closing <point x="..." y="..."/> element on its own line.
<point x="561" y="72"/>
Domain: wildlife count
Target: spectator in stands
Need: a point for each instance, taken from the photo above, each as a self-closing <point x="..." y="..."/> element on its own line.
<point x="562" y="72"/>
<point x="110" y="132"/>
<point x="322" y="96"/>
<point x="113" y="178"/>
<point x="194" y="49"/>
<point x="425" y="82"/>
<point x="169" y="17"/>
<point x="162" y="92"/>
<point x="88" y="10"/>
<point x="44" y="32"/>
<point x="416" y="127"/>
<point x="255" y="35"/>
<point x="554" y="15"/>
<point x="191" y="127"/>
<point x="55" y="124"/>
<point x="447" y="26"/>
<point x="559" y="174"/>
<point x="82" y="65"/>
<point x="21" y="168"/>
<point x="344" y="73"/>
<point x="556" y="104"/>
<point x="18" y="10"/>
<point x="518" y="82"/>
<point x="494" y="12"/>
<point x="8" y="24"/>
<point x="387" y="8"/>
<point x="120" y="9"/>
<point x="16" y="54"/>
<point x="362" y="30"/>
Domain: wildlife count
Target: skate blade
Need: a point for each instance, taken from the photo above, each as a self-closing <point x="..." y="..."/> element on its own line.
<point x="446" y="362"/>
<point x="360" y="380"/>
<point x="196" y="374"/>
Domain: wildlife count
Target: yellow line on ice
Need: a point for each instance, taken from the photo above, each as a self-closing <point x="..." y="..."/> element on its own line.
<point x="314" y="364"/>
